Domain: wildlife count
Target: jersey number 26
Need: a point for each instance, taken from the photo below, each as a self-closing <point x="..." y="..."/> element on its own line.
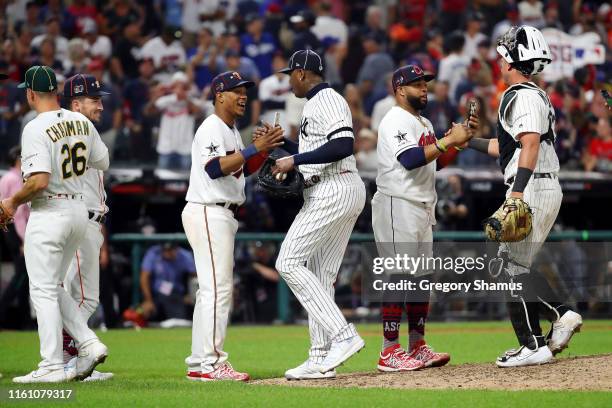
<point x="73" y="162"/>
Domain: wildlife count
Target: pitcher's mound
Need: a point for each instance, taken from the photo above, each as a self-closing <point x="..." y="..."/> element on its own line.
<point x="575" y="373"/>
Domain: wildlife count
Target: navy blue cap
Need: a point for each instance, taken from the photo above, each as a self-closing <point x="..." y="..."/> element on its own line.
<point x="83" y="85"/>
<point x="407" y="74"/>
<point x="228" y="80"/>
<point x="305" y="59"/>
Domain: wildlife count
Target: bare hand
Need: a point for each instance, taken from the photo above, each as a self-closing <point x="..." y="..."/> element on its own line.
<point x="148" y="308"/>
<point x="269" y="140"/>
<point x="283" y="165"/>
<point x="459" y="134"/>
<point x="261" y="131"/>
<point x="473" y="125"/>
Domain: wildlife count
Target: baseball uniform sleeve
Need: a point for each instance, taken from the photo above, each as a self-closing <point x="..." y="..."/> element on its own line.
<point x="35" y="151"/>
<point x="401" y="137"/>
<point x="209" y="141"/>
<point x="98" y="156"/>
<point x="337" y="118"/>
<point x="528" y="114"/>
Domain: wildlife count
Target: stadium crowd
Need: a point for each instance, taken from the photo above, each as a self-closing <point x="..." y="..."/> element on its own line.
<point x="157" y="59"/>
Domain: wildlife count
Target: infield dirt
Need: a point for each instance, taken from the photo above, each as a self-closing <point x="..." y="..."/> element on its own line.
<point x="585" y="373"/>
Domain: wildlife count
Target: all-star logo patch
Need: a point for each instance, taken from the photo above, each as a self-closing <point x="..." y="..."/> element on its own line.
<point x="401" y="137"/>
<point x="212" y="149"/>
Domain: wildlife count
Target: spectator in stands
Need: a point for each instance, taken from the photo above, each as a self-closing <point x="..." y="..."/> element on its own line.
<point x="274" y="92"/>
<point x="585" y="21"/>
<point x="450" y="208"/>
<point x="166" y="51"/>
<point x="473" y="35"/>
<point x="163" y="276"/>
<point x="232" y="45"/>
<point x="177" y="126"/>
<point x="453" y="67"/>
<point x="23" y="44"/>
<point x="469" y="157"/>
<point x="512" y="19"/>
<point x="327" y="25"/>
<point x="439" y="110"/>
<point x="303" y="37"/>
<point x="551" y="16"/>
<point x="98" y="46"/>
<point x="371" y="77"/>
<point x="205" y="60"/>
<point x="81" y="10"/>
<point x="365" y="151"/>
<point x="452" y="13"/>
<point x="126" y="50"/>
<point x="598" y="157"/>
<point x="375" y="22"/>
<point x="32" y="19"/>
<point x="77" y="57"/>
<point x="198" y="15"/>
<point x="47" y="56"/>
<point x="355" y="102"/>
<point x="118" y="15"/>
<point x="17" y="288"/>
<point x="136" y="94"/>
<point x="253" y="108"/>
<point x="53" y="33"/>
<point x="13" y="65"/>
<point x="258" y="45"/>
<point x="531" y="12"/>
<point x="384" y="105"/>
<point x="111" y="118"/>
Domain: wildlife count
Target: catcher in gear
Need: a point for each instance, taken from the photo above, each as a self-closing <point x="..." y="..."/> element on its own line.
<point x="525" y="148"/>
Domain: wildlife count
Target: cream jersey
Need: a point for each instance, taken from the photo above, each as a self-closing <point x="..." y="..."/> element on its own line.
<point x="214" y="139"/>
<point x="525" y="108"/>
<point x="93" y="191"/>
<point x="399" y="131"/>
<point x="325" y="116"/>
<point x="62" y="143"/>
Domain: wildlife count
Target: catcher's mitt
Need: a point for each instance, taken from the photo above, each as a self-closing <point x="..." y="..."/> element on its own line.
<point x="6" y="217"/>
<point x="512" y="222"/>
<point x="290" y="186"/>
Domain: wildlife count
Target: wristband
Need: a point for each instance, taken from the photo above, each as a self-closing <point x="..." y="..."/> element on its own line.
<point x="440" y="146"/>
<point x="249" y="152"/>
<point x="479" y="144"/>
<point x="457" y="148"/>
<point x="523" y="174"/>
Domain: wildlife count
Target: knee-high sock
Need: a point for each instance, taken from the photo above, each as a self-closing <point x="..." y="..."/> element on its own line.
<point x="391" y="317"/>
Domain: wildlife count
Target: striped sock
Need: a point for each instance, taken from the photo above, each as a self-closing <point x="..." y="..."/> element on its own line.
<point x="391" y="317"/>
<point x="417" y="317"/>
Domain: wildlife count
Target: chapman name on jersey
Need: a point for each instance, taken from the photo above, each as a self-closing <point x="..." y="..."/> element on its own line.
<point x="525" y="108"/>
<point x="214" y="139"/>
<point x="326" y="116"/>
<point x="61" y="143"/>
<point x="399" y="131"/>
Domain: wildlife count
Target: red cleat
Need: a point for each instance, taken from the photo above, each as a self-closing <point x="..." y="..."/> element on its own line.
<point x="427" y="356"/>
<point x="224" y="372"/>
<point x="395" y="359"/>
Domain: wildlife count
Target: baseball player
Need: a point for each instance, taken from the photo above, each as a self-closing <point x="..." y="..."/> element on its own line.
<point x="403" y="207"/>
<point x="83" y="93"/>
<point x="334" y="196"/>
<point x="57" y="147"/>
<point x="526" y="152"/>
<point x="216" y="189"/>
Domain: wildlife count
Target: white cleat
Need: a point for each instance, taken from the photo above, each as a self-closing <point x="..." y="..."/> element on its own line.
<point x="563" y="330"/>
<point x="89" y="357"/>
<point x="340" y="351"/>
<point x="98" y="376"/>
<point x="43" y="375"/>
<point x="524" y="356"/>
<point x="308" y="371"/>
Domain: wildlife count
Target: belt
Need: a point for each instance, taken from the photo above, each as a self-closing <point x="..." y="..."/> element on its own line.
<point x="317" y="179"/>
<point x="535" y="176"/>
<point x="65" y="196"/>
<point x="99" y="218"/>
<point x="230" y="206"/>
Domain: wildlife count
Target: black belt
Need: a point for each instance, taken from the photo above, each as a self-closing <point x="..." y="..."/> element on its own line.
<point x="100" y="218"/>
<point x="230" y="206"/>
<point x="535" y="176"/>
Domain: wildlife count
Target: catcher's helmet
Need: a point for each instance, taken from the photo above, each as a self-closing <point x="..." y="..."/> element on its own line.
<point x="525" y="49"/>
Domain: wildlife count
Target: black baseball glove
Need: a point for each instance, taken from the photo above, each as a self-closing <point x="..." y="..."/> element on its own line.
<point x="290" y="186"/>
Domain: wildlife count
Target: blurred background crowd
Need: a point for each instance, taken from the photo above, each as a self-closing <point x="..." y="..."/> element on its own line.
<point x="158" y="57"/>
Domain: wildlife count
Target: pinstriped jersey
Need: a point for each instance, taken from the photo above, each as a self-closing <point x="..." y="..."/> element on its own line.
<point x="525" y="108"/>
<point x="325" y="116"/>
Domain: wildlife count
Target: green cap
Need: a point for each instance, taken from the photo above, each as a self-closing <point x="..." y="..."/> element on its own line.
<point x="40" y="78"/>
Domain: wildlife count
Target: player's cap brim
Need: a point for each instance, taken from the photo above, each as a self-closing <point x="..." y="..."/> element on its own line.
<point x="286" y="71"/>
<point x="22" y="85"/>
<point x="425" y="77"/>
<point x="246" y="84"/>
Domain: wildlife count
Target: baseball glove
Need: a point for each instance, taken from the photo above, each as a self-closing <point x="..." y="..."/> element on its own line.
<point x="512" y="222"/>
<point x="290" y="186"/>
<point x="6" y="217"/>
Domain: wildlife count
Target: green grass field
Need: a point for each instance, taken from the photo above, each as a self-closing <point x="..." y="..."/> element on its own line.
<point x="149" y="369"/>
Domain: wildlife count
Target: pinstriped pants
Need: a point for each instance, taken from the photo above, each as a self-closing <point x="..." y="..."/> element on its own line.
<point x="312" y="253"/>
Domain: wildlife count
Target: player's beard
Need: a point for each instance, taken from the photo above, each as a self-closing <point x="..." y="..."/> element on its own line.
<point x="416" y="102"/>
